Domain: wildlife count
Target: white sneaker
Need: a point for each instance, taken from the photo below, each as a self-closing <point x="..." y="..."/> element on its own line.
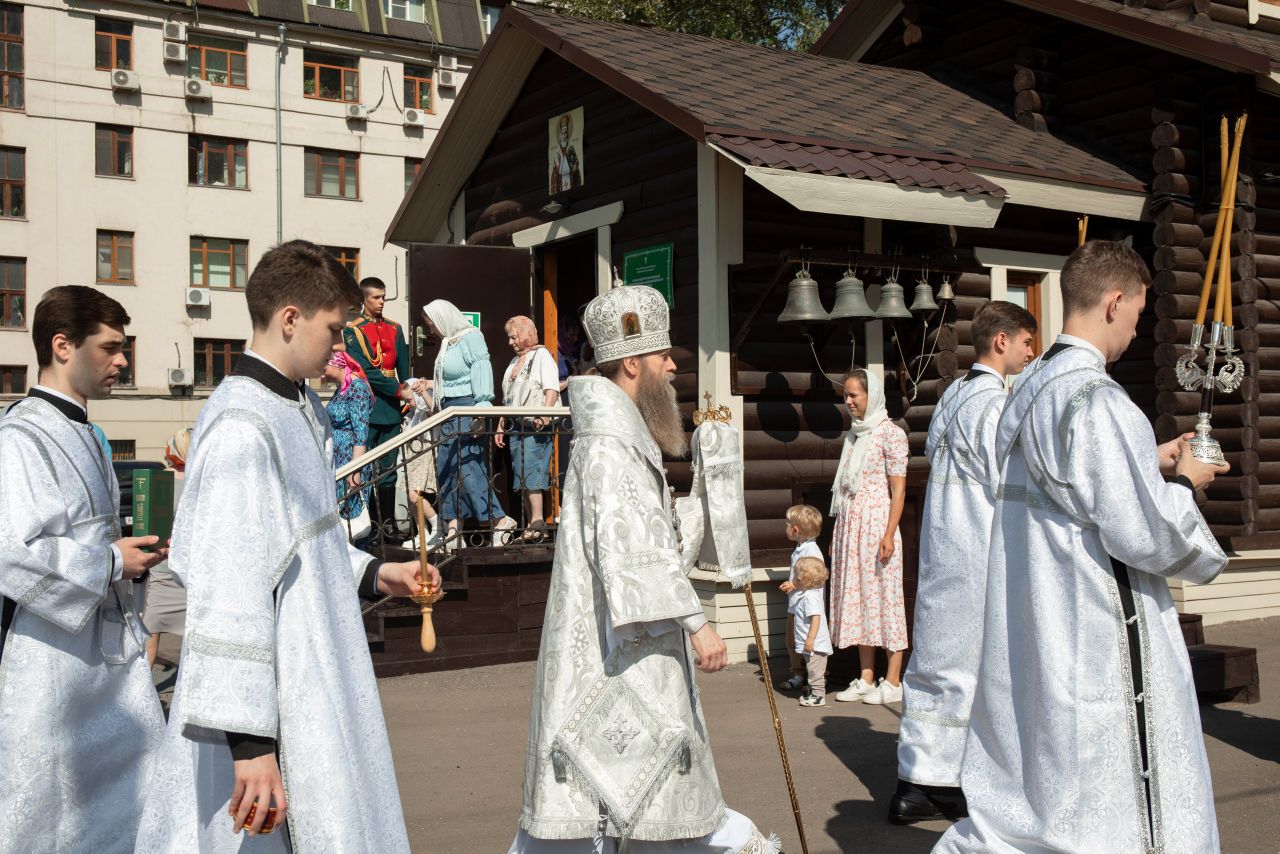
<point x="855" y="692"/>
<point x="502" y="531"/>
<point x="884" y="694"/>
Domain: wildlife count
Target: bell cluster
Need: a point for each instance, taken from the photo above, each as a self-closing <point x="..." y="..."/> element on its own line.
<point x="804" y="305"/>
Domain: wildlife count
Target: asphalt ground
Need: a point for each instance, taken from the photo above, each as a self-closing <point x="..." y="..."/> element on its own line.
<point x="459" y="743"/>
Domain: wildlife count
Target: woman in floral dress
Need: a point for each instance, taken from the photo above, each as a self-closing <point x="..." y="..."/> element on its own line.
<point x="867" y="608"/>
<point x="349" y="410"/>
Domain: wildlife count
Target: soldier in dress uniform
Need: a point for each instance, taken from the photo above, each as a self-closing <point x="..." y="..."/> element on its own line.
<point x="378" y="344"/>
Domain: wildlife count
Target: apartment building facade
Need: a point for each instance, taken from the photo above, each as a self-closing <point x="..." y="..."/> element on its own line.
<point x="138" y="152"/>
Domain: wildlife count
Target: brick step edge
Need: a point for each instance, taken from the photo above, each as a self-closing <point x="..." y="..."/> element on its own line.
<point x="1225" y="673"/>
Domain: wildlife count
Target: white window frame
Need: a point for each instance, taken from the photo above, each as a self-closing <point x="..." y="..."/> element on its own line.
<point x="340" y="5"/>
<point x="388" y="7"/>
<point x="1001" y="261"/>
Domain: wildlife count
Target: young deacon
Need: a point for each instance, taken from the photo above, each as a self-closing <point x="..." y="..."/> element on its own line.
<point x="276" y="710"/>
<point x="79" y="717"/>
<point x="960" y="501"/>
<point x="1085" y="734"/>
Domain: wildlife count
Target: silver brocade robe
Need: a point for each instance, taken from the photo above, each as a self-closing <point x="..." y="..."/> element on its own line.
<point x="954" y="539"/>
<point x="615" y="718"/>
<point x="79" y="718"/>
<point x="275" y="644"/>
<point x="1054" y="758"/>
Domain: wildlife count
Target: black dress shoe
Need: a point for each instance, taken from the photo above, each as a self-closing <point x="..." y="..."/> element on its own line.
<point x="913" y="802"/>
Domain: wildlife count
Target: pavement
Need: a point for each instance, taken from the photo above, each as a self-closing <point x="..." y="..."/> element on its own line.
<point x="459" y="744"/>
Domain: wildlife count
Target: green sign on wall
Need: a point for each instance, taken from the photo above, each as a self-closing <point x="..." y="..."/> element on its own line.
<point x="651" y="266"/>
<point x="473" y="317"/>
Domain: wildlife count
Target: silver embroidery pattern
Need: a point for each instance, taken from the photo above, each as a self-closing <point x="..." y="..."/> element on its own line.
<point x="939" y="720"/>
<point x="35" y="591"/>
<point x="620" y="734"/>
<point x="229" y="649"/>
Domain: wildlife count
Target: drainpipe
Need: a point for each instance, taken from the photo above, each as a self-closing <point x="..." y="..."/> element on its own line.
<point x="279" y="178"/>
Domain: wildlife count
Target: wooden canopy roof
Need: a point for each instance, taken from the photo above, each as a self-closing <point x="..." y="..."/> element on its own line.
<point x="770" y="108"/>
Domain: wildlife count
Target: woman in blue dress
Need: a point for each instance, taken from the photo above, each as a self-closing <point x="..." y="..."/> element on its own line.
<point x="349" y="410"/>
<point x="463" y="377"/>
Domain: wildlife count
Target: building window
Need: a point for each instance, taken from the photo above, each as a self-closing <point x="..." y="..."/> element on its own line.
<point x="223" y="62"/>
<point x="406" y="10"/>
<point x="417" y="88"/>
<point x="411" y="167"/>
<point x="115" y="257"/>
<point x="123" y="449"/>
<point x="335" y="174"/>
<point x="217" y="262"/>
<point x="13" y="379"/>
<point x="113" y="45"/>
<point x="347" y="257"/>
<point x="11" y="61"/>
<point x="13" y="182"/>
<point x="214" y="359"/>
<point x="129" y="371"/>
<point x="1024" y="291"/>
<point x="340" y="5"/>
<point x="216" y="162"/>
<point x="13" y="293"/>
<point x="329" y="77"/>
<point x="113" y="151"/>
<point x="489" y="17"/>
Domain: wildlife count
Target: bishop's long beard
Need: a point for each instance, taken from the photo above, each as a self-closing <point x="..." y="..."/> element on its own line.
<point x="656" y="400"/>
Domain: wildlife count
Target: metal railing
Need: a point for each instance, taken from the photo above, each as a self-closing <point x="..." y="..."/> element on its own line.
<point x="452" y="458"/>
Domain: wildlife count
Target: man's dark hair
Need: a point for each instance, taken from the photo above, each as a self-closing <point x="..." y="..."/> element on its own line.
<point x="999" y="316"/>
<point x="1096" y="269"/>
<point x="372" y="283"/>
<point x="301" y="274"/>
<point x="75" y="311"/>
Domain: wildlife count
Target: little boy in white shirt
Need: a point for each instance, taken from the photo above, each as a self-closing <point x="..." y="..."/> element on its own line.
<point x="811" y="638"/>
<point x="804" y="524"/>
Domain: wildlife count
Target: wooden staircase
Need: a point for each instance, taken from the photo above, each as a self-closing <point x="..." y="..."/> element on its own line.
<point x="1222" y="674"/>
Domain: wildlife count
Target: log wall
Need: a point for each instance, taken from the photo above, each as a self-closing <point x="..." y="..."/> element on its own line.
<point x="1158" y="114"/>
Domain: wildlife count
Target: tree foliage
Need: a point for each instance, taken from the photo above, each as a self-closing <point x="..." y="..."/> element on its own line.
<point x="791" y="24"/>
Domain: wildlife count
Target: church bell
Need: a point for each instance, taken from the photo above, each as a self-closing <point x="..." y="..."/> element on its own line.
<point x="851" y="300"/>
<point x="803" y="303"/>
<point x="946" y="293"/>
<point x="892" y="304"/>
<point x="924" y="298"/>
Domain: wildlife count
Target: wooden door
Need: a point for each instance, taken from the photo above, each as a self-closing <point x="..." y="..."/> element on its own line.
<point x="494" y="281"/>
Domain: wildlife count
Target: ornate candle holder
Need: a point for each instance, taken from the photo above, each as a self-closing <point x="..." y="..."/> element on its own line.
<point x="1191" y="376"/>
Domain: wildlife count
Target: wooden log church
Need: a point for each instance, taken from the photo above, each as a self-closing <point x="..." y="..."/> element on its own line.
<point x="915" y="143"/>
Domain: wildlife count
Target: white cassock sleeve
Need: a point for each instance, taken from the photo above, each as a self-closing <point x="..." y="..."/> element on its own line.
<point x="1145" y="522"/>
<point x="635" y="553"/>
<point x="42" y="568"/>
<point x="233" y="541"/>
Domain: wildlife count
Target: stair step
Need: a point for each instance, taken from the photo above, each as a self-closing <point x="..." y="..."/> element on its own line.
<point x="1192" y="628"/>
<point x="1225" y="673"/>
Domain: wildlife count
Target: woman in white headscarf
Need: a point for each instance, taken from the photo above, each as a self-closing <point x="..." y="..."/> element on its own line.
<point x="867" y="608"/>
<point x="463" y="376"/>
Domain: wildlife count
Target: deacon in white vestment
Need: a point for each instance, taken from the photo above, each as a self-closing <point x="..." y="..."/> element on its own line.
<point x="79" y="716"/>
<point x="954" y="539"/>
<point x="618" y="754"/>
<point x="275" y="657"/>
<point x="1085" y="733"/>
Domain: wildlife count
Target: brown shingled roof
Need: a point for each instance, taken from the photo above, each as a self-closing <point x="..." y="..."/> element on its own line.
<point x="713" y="86"/>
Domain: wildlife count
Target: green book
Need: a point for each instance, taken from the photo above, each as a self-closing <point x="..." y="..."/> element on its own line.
<point x="153" y="504"/>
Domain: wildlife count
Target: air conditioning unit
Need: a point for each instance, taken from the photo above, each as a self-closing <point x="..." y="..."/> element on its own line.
<point x="175" y="52"/>
<point x="175" y="31"/>
<point x="124" y="80"/>
<point x="197" y="296"/>
<point x="357" y="112"/>
<point x="414" y="118"/>
<point x="181" y="378"/>
<point x="449" y="62"/>
<point x="197" y="90"/>
<point x="446" y="80"/>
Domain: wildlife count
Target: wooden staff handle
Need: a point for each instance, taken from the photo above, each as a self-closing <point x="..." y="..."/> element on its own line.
<point x="428" y="637"/>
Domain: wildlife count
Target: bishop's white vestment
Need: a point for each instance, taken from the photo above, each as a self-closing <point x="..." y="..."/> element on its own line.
<point x="1085" y="733"/>
<point x="275" y="645"/>
<point x="617" y="743"/>
<point x="79" y="717"/>
<point x="940" y="679"/>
